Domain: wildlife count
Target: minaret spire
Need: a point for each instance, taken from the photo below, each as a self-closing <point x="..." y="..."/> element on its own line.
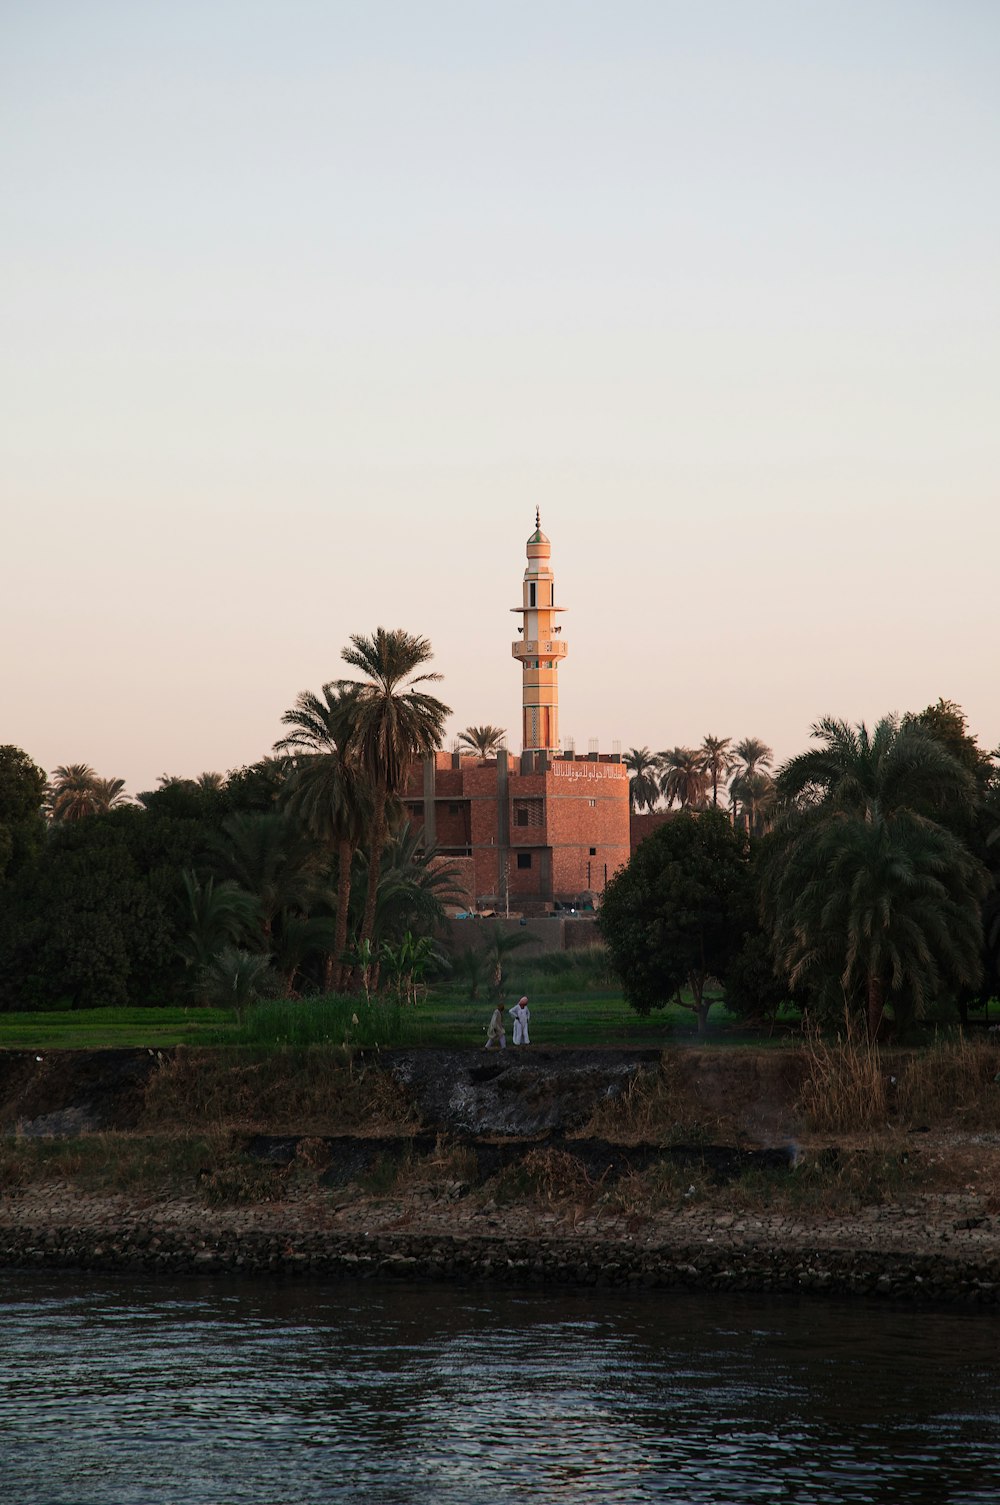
<point x="540" y="648"/>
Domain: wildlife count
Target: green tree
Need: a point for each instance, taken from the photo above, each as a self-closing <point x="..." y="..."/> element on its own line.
<point x="394" y="722"/>
<point x="678" y="913"/>
<point x="643" y="787"/>
<point x="22" y="793"/>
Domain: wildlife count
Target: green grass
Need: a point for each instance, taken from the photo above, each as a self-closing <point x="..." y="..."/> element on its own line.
<point x="96" y="1029"/>
<point x="445" y="1018"/>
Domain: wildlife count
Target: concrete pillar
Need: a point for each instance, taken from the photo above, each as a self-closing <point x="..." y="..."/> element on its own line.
<point x="430" y="818"/>
<point x="503" y="820"/>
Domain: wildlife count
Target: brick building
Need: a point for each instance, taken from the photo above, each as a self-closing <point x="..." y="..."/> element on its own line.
<point x="543" y="829"/>
<point x="540" y="830"/>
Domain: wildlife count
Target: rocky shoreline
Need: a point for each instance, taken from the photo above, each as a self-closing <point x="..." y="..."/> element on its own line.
<point x="943" y="1249"/>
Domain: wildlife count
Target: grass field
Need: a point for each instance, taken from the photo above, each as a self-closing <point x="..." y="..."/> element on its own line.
<point x="98" y="1029"/>
<point x="444" y="1019"/>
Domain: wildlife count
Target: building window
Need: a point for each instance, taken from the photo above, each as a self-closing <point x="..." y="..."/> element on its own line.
<point x="453" y="808"/>
<point x="531" y="594"/>
<point x="524" y="859"/>
<point x="593" y="851"/>
<point x="522" y="818"/>
<point x="592" y="804"/>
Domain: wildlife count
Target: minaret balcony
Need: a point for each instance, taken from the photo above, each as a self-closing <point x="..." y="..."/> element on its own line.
<point x="543" y="648"/>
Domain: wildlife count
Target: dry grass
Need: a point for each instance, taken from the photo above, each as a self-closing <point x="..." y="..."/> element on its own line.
<point x="852" y="1087"/>
<point x="657" y="1107"/>
<point x="845" y="1088"/>
<point x="952" y="1081"/>
<point x="547" y="1176"/>
<point x="110" y="1163"/>
<point x="317" y="1091"/>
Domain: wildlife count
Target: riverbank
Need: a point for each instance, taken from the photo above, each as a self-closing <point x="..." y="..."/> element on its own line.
<point x="617" y="1168"/>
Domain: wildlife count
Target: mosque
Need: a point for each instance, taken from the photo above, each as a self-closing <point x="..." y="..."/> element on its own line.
<point x="544" y="831"/>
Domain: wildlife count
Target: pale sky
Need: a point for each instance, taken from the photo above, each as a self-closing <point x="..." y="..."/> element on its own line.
<point x="306" y="305"/>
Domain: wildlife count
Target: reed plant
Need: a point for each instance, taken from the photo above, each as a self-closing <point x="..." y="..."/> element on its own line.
<point x="845" y="1085"/>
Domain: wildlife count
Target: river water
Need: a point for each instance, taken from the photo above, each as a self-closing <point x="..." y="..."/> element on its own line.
<point x="116" y="1391"/>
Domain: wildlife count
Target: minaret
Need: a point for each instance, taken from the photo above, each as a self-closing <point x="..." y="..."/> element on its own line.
<point x="540" y="648"/>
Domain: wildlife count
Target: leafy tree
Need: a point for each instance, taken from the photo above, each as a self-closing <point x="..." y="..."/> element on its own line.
<point x="716" y="761"/>
<point x="393" y="723"/>
<point x="643" y="788"/>
<point x="683" y="777"/>
<point x="89" y="921"/>
<point x="755" y="990"/>
<point x="678" y="913"/>
<point x="22" y="793"/>
<point x="484" y="740"/>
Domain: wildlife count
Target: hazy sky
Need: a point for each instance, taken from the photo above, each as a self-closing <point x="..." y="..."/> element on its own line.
<point x="306" y="305"/>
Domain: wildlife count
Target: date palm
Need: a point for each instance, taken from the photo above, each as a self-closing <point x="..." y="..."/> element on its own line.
<point x="750" y="785"/>
<point x="683" y="777"/>
<point x="716" y="760"/>
<point x="643" y="787"/>
<point x="896" y="766"/>
<point x="72" y="793"/>
<point x="869" y="895"/>
<point x="109" y="794"/>
<point x="484" y="740"/>
<point x="875" y="909"/>
<point x="328" y="793"/>
<point x="393" y="722"/>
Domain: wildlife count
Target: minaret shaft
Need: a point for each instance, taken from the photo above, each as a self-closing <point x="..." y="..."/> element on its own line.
<point x="539" y="649"/>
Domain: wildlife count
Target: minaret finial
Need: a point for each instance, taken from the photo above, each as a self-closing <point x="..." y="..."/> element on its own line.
<point x="538" y="517"/>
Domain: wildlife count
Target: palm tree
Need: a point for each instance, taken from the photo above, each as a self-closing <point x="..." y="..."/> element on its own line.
<point x="643" y="789"/>
<point x="392" y="724"/>
<point x="217" y="914"/>
<point x="893" y="768"/>
<point x="72" y="794"/>
<point x="750" y="783"/>
<point x="867" y="892"/>
<point x="109" y="794"/>
<point x="264" y="853"/>
<point x="684" y="778"/>
<point x="485" y="740"/>
<point x="876" y="908"/>
<point x="328" y="792"/>
<point x="716" y="761"/>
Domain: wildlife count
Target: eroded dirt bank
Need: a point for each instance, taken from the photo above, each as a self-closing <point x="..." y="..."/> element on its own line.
<point x="610" y="1168"/>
